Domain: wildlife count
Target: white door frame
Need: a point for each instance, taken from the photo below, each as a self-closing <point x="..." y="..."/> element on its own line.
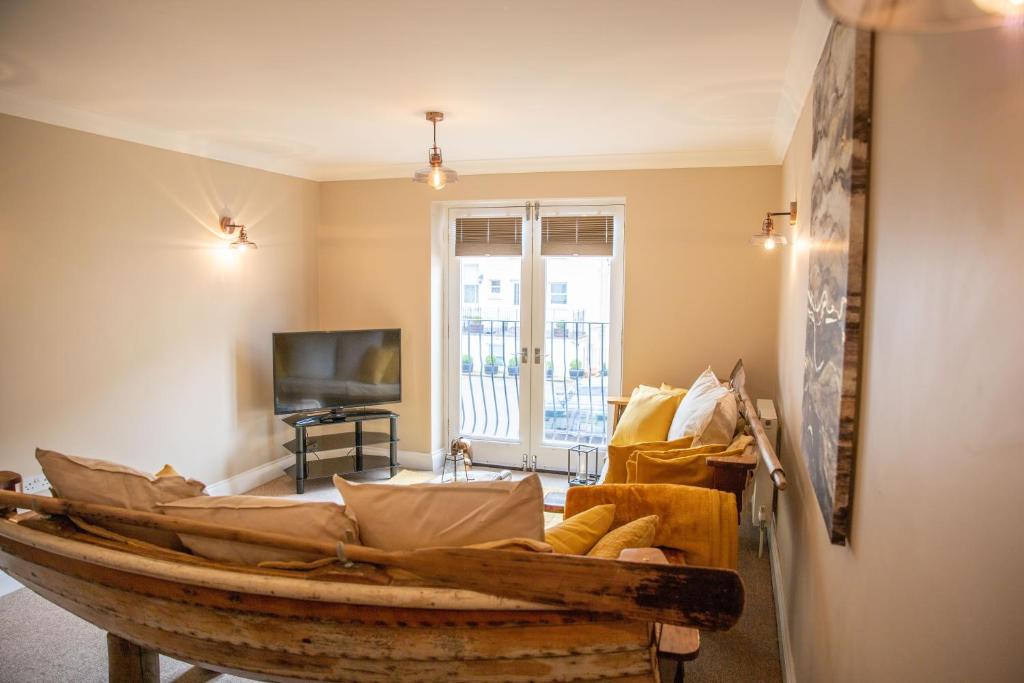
<point x="451" y="303"/>
<point x="554" y="457"/>
<point x="502" y="452"/>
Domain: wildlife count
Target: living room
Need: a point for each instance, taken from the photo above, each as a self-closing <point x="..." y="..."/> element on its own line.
<point x="145" y="142"/>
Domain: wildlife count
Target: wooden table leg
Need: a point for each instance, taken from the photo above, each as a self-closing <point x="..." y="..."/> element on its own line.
<point x="130" y="663"/>
<point x="9" y="481"/>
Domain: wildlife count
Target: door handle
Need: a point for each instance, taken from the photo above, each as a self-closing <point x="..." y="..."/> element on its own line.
<point x="536" y="355"/>
<point x="525" y="355"/>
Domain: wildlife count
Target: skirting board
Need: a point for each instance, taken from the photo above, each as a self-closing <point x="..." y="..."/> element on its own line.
<point x="779" y="592"/>
<point x="261" y="474"/>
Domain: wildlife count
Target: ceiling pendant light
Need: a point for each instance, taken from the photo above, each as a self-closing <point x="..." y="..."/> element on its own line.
<point x="435" y="175"/>
<point x="925" y="15"/>
<point x="768" y="238"/>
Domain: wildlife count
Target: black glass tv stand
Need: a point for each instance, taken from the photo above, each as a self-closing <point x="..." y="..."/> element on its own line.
<point x="355" y="465"/>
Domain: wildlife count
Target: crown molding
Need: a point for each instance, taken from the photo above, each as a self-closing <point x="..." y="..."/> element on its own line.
<point x="18" y="105"/>
<point x="805" y="46"/>
<point x="604" y="162"/>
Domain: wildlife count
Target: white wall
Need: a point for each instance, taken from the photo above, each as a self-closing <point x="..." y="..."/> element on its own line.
<point x="929" y="587"/>
<point x="128" y="331"/>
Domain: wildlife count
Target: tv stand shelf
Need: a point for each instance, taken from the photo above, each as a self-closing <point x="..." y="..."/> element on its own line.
<point x="357" y="466"/>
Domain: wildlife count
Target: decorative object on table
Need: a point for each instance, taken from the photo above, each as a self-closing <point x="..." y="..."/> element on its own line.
<point x="437" y="175"/>
<point x="768" y="238"/>
<point x="459" y="451"/>
<point x="835" y="284"/>
<point x="926" y="16"/>
<point x="585" y="472"/>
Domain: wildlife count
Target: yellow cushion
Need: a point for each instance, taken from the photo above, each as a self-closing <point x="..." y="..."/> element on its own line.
<point x="647" y="416"/>
<point x="636" y="534"/>
<point x="618" y="454"/>
<point x="692" y="470"/>
<point x="377" y="363"/>
<point x="167" y="471"/>
<point x="578" y="534"/>
<point x="669" y="387"/>
<point x="700" y="522"/>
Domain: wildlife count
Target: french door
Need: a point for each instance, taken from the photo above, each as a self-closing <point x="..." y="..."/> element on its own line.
<point x="534" y="340"/>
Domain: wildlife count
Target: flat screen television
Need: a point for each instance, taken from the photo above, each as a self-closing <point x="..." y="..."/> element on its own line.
<point x="333" y="370"/>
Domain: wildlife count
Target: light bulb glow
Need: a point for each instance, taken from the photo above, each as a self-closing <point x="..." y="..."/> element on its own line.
<point x="436" y="179"/>
<point x="769" y="243"/>
<point x="1004" y="7"/>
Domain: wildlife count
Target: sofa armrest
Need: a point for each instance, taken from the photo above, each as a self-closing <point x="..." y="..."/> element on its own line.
<point x="618" y="406"/>
<point x="730" y="473"/>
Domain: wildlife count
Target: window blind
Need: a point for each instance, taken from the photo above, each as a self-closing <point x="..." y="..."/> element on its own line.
<point x="496" y="236"/>
<point x="577" y="235"/>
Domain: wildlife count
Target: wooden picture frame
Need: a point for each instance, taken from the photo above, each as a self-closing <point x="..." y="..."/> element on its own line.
<point x="835" y="285"/>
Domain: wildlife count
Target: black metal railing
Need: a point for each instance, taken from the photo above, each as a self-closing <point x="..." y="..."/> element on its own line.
<point x="575" y="381"/>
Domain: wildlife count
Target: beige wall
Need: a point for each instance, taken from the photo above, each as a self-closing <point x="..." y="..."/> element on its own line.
<point x="929" y="587"/>
<point x="127" y="331"/>
<point x="695" y="292"/>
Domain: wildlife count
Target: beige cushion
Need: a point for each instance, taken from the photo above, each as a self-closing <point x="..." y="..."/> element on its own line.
<point x="107" y="483"/>
<point x="708" y="412"/>
<point x="394" y="517"/>
<point x="313" y="520"/>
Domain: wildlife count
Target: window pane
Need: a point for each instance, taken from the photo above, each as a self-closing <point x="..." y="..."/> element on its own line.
<point x="576" y="349"/>
<point x="489" y="342"/>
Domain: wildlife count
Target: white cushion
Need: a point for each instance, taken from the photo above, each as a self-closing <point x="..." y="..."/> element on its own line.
<point x="708" y="412"/>
<point x="394" y="517"/>
<point x="107" y="483"/>
<point x="316" y="521"/>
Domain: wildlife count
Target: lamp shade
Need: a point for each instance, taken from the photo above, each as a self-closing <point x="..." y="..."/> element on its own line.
<point x="436" y="176"/>
<point x="925" y="15"/>
<point x="769" y="241"/>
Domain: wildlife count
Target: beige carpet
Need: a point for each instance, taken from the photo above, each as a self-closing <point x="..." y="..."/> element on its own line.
<point x="41" y="643"/>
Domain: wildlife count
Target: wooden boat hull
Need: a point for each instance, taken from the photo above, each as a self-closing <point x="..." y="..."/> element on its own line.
<point x="280" y="628"/>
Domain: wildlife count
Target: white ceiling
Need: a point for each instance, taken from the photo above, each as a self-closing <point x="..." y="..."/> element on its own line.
<point x="328" y="89"/>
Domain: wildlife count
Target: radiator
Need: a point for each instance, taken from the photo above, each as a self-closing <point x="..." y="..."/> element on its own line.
<point x="762" y="488"/>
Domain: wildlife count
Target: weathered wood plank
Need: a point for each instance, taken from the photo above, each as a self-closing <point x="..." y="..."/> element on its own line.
<point x="686" y="596"/>
<point x="276" y="665"/>
<point x="327" y="637"/>
<point x="130" y="663"/>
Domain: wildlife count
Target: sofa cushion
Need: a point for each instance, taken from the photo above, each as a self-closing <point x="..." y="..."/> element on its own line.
<point x="676" y="466"/>
<point x="316" y="521"/>
<point x="618" y="454"/>
<point x="636" y="534"/>
<point x="700" y="522"/>
<point x="395" y="517"/>
<point x="707" y="412"/>
<point x="107" y="483"/>
<point x="578" y="534"/>
<point x="647" y="416"/>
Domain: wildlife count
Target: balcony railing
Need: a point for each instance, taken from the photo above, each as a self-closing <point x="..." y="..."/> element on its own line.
<point x="575" y="381"/>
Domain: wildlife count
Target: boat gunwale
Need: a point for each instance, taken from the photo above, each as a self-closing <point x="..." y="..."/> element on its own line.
<point x="297" y="588"/>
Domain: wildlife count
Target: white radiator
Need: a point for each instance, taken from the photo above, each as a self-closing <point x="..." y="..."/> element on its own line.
<point x="762" y="488"/>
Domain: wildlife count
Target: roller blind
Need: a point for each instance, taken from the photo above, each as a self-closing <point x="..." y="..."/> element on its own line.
<point x="500" y="236"/>
<point x="577" y="235"/>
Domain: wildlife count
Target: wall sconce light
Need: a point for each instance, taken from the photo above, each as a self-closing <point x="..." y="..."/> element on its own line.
<point x="925" y="15"/>
<point x="241" y="243"/>
<point x="768" y="238"/>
